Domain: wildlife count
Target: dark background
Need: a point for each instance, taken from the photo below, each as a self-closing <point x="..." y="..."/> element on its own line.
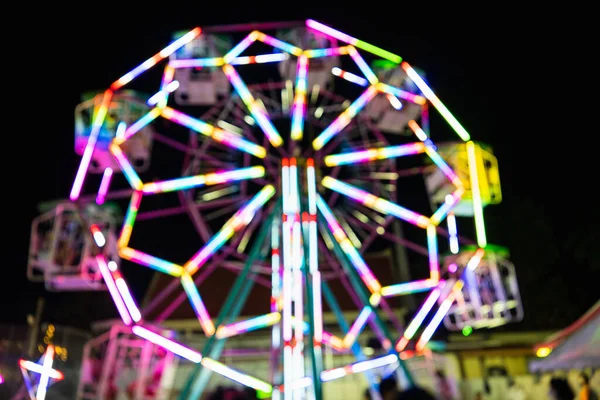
<point x="511" y="77"/>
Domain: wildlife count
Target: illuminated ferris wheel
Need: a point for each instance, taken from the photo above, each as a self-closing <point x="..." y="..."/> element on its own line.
<point x="301" y="145"/>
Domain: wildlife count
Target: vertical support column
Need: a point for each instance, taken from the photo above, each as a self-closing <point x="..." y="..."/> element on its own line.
<point x="293" y="290"/>
<point x="313" y="279"/>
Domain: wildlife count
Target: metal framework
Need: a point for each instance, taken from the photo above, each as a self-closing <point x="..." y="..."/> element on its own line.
<point x="292" y="172"/>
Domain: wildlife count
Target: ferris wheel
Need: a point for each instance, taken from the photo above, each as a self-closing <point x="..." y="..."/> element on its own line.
<point x="304" y="151"/>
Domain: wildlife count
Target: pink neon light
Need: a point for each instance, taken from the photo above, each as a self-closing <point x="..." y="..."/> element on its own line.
<point x="113" y="290"/>
<point x="167" y="344"/>
<point x="104" y="185"/>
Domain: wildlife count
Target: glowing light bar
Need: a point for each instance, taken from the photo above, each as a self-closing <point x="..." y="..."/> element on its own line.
<point x="38" y="369"/>
<point x="260" y="59"/>
<point x="299" y="106"/>
<point x="236" y="376"/>
<point x="353" y="41"/>
<point x="257" y="111"/>
<point x="197" y="304"/>
<point x="374" y="202"/>
<point x="360" y="366"/>
<point x="240" y="219"/>
<point x="140" y="124"/>
<point x="357" y="326"/>
<point x="201" y="180"/>
<point x="279" y="44"/>
<point x="167" y="344"/>
<point x="363" y="66"/>
<point x="349" y="76"/>
<point x="248" y="325"/>
<point x="98" y="235"/>
<point x="438" y="317"/>
<point x="353" y="255"/>
<point x="123" y="289"/>
<point x="162" y="94"/>
<point x="408" y="287"/>
<point x="344" y="118"/>
<point x="147" y="260"/>
<point x="374" y="154"/>
<point x="86" y="158"/>
<point x="152" y="61"/>
<point x="132" y="177"/>
<point x="476" y="195"/>
<point x="113" y="290"/>
<point x="432" y="250"/>
<point x="402" y="94"/>
<point x="453" y="233"/>
<point x="219" y="135"/>
<point x="418" y="319"/>
<point x="130" y="215"/>
<point x="104" y="185"/>
<point x="437" y="103"/>
<point x="45" y="370"/>
<point x="332" y="51"/>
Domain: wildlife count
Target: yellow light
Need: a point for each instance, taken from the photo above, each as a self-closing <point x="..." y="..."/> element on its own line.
<point x="543" y="352"/>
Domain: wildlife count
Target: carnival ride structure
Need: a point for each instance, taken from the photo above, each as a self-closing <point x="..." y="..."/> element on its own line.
<point x="298" y="141"/>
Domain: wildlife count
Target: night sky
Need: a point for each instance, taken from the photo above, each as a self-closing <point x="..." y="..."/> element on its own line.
<point x="499" y="76"/>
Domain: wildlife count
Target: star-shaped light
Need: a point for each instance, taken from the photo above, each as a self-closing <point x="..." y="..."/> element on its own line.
<point x="37" y="390"/>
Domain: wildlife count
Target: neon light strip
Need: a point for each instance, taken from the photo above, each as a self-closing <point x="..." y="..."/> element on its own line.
<point x="437" y="103"/>
<point x="363" y="66"/>
<point x="408" y="287"/>
<point x="260" y="59"/>
<point x="166" y="81"/>
<point x="152" y="61"/>
<point x="435" y="157"/>
<point x="279" y="44"/>
<point x="353" y="41"/>
<point x="104" y="185"/>
<point x="156" y="98"/>
<point x="328" y="52"/>
<point x="432" y="250"/>
<point x="357" y="327"/>
<point x="130" y="215"/>
<point x="167" y="344"/>
<point x="450" y="202"/>
<point x="438" y="317"/>
<point x="453" y="233"/>
<point x="147" y="260"/>
<point x="349" y="76"/>
<point x="381" y="153"/>
<point x="132" y="177"/>
<point x="402" y="94"/>
<point x="98" y="236"/>
<point x="346" y="245"/>
<point x="375" y="203"/>
<point x="248" y="325"/>
<point x="214" y="178"/>
<point x="84" y="164"/>
<point x="123" y="289"/>
<point x="219" y="135"/>
<point x="344" y="118"/>
<point x="239" y="220"/>
<point x="476" y="195"/>
<point x="112" y="289"/>
<point x="42" y="386"/>
<point x="197" y="304"/>
<point x="299" y="106"/>
<point x="418" y="319"/>
<point x="38" y="369"/>
<point x="257" y="111"/>
<point x="236" y="376"/>
<point x="360" y="366"/>
<point x="220" y="61"/>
